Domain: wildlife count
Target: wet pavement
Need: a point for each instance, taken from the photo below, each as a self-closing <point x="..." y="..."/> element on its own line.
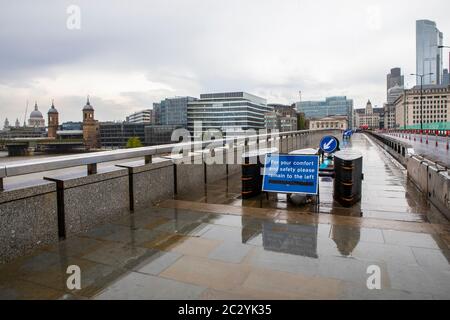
<point x="386" y="193"/>
<point x="211" y="244"/>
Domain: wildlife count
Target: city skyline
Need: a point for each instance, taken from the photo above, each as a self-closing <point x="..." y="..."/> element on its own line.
<point x="280" y="49"/>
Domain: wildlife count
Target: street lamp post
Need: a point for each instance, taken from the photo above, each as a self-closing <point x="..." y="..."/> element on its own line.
<point x="421" y="96"/>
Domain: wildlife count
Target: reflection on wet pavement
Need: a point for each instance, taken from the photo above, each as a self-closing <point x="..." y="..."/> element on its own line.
<point x="214" y="245"/>
<point x="383" y="179"/>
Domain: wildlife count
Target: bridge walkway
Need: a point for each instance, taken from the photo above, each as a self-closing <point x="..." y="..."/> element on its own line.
<point x="210" y="244"/>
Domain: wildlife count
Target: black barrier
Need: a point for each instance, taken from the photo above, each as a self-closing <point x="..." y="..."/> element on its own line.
<point x="252" y="179"/>
<point x="348" y="177"/>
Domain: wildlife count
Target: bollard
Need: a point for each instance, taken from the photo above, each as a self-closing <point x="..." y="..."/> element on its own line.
<point x="436" y="140"/>
<point x="348" y="177"/>
<point x="427" y="139"/>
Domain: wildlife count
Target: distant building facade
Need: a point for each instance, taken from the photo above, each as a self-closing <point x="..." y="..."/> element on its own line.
<point x="172" y="111"/>
<point x="435" y="108"/>
<point x="23" y="132"/>
<point x="228" y="111"/>
<point x="389" y="116"/>
<point x="369" y="118"/>
<point x="331" y="106"/>
<point x="283" y="118"/>
<point x="333" y="122"/>
<point x="159" y="134"/>
<point x="116" y="134"/>
<point x="389" y="107"/>
<point x="72" y="125"/>
<point x="271" y="121"/>
<point x="70" y="135"/>
<point x="143" y="116"/>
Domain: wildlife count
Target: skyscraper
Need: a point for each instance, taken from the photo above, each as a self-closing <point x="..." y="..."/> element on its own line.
<point x="428" y="56"/>
<point x="394" y="78"/>
<point x="446" y="77"/>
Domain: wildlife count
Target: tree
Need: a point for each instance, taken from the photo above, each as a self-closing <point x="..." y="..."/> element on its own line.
<point x="134" y="142"/>
<point x="302" y="123"/>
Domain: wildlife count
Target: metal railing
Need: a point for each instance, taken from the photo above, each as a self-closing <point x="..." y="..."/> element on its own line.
<point x="92" y="159"/>
<point x="440" y="166"/>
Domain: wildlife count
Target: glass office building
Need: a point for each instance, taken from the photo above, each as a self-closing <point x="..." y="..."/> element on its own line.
<point x="428" y="56"/>
<point x="332" y="106"/>
<point x="160" y="134"/>
<point x="228" y="111"/>
<point x="116" y="134"/>
<point x="172" y="111"/>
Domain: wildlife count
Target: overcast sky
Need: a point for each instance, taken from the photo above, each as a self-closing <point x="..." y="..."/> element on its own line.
<point x="128" y="54"/>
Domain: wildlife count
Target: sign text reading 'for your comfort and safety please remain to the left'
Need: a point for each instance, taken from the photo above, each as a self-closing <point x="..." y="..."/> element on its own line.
<point x="291" y="173"/>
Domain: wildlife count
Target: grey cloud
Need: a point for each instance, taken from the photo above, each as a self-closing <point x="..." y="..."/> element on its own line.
<point x="268" y="47"/>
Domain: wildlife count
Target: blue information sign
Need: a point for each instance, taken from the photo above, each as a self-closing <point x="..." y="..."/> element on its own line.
<point x="329" y="144"/>
<point x="291" y="173"/>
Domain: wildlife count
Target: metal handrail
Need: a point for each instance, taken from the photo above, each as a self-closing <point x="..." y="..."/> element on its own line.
<point x="405" y="144"/>
<point x="91" y="159"/>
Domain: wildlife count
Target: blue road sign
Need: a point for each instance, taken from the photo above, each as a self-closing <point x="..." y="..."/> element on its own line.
<point x="291" y="173"/>
<point x="329" y="144"/>
<point x="348" y="133"/>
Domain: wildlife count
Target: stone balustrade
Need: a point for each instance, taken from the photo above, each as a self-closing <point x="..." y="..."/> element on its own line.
<point x="67" y="204"/>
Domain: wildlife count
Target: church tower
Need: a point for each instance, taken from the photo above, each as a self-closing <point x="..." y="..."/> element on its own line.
<point x="369" y="108"/>
<point x="53" y="121"/>
<point x="90" y="127"/>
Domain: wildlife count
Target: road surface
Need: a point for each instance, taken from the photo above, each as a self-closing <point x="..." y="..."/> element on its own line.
<point x="428" y="150"/>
